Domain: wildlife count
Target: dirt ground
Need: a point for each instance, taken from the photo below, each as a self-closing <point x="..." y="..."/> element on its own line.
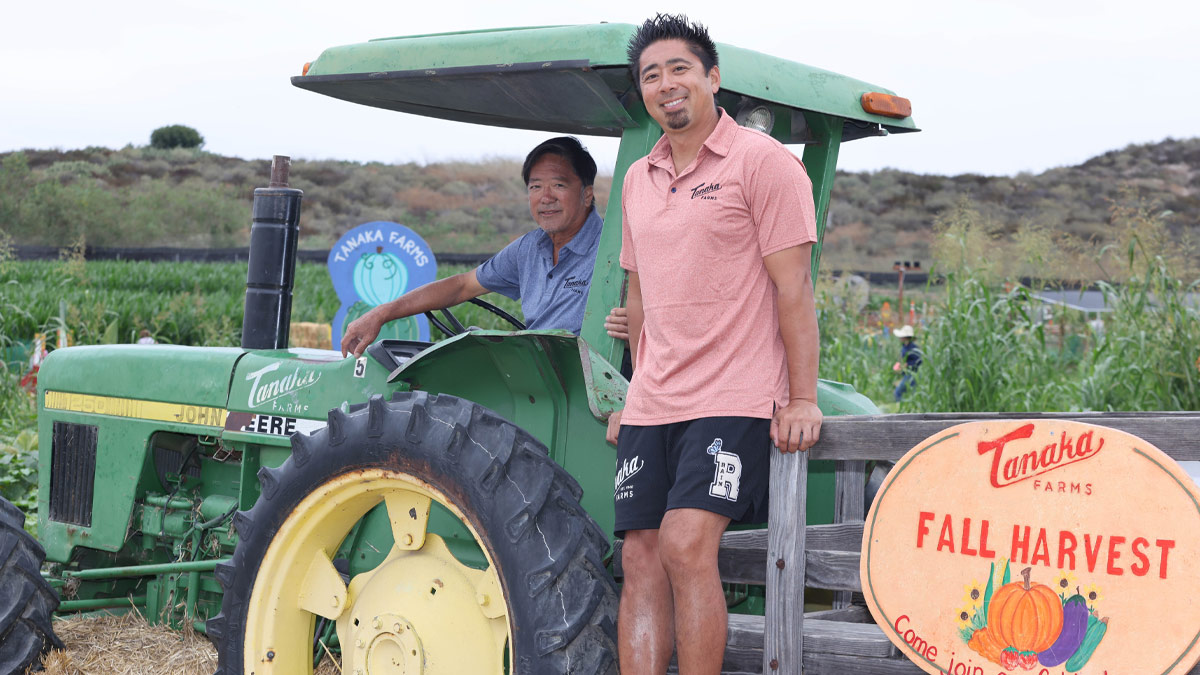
<point x="127" y="645"/>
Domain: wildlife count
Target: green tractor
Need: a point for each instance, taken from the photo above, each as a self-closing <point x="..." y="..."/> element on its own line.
<point x="433" y="508"/>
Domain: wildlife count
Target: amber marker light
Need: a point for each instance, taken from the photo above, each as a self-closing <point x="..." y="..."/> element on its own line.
<point x="887" y="105"/>
<point x="306" y="66"/>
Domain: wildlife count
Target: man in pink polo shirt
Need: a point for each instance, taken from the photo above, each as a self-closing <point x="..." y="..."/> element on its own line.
<point x="718" y="229"/>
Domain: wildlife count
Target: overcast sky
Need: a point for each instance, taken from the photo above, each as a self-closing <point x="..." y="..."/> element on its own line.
<point x="997" y="87"/>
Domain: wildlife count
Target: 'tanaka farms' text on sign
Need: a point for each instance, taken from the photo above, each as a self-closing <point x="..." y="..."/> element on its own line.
<point x="1045" y="547"/>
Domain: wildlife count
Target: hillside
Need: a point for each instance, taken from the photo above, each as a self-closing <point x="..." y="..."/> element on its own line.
<point x="887" y="215"/>
<point x="139" y="196"/>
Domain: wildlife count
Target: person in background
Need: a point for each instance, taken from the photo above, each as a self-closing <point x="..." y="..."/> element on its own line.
<point x="910" y="361"/>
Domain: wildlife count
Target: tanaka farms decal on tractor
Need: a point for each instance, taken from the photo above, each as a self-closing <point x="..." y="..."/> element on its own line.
<point x="1046" y="547"/>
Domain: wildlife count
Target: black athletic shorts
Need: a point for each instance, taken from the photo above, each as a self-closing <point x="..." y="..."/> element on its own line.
<point x="718" y="464"/>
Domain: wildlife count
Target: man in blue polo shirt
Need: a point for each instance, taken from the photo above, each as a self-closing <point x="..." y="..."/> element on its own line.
<point x="549" y="269"/>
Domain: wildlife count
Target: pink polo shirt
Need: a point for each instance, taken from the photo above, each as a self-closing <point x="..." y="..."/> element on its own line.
<point x="710" y="344"/>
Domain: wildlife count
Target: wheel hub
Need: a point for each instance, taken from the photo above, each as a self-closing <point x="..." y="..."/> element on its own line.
<point x="420" y="611"/>
<point x="388" y="645"/>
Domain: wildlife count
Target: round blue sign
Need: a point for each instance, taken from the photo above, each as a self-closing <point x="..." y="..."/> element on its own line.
<point x="374" y="264"/>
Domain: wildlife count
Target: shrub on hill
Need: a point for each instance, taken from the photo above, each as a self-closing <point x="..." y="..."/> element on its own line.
<point x="175" y="136"/>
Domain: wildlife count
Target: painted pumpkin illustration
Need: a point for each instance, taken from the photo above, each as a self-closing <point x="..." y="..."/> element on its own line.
<point x="379" y="277"/>
<point x="1024" y="616"/>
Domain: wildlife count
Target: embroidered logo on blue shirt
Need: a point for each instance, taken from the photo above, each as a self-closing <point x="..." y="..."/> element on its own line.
<point x="576" y="284"/>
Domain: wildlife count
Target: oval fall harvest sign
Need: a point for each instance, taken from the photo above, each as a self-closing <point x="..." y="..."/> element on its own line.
<point x="1041" y="547"/>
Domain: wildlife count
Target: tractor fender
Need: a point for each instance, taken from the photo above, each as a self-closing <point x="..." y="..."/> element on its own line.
<point x="551" y="384"/>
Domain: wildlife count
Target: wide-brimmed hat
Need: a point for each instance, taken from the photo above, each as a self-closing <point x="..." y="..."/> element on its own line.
<point x="904" y="331"/>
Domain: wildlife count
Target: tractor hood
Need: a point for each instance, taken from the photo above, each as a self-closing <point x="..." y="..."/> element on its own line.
<point x="197" y="376"/>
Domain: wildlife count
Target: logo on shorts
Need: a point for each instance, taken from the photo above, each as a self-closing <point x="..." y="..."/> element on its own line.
<point x="628" y="469"/>
<point x="728" y="477"/>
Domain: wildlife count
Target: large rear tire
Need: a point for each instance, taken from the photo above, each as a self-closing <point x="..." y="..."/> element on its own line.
<point x="26" y="600"/>
<point x="543" y="604"/>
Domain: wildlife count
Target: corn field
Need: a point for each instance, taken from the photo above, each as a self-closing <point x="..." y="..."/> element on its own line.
<point x="988" y="344"/>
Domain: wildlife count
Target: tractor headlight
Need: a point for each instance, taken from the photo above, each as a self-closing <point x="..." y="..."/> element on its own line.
<point x="756" y="116"/>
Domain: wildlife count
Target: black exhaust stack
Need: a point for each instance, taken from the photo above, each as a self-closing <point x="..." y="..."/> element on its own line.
<point x="266" y="323"/>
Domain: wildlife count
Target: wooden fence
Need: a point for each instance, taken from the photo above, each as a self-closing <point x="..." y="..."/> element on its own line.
<point x="789" y="558"/>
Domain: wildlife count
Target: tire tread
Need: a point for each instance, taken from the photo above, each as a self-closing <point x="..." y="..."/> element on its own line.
<point x="27" y="601"/>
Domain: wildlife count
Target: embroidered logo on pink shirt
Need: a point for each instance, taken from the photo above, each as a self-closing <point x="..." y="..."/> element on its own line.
<point x="704" y="190"/>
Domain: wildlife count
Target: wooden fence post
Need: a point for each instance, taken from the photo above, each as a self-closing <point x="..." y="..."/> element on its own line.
<point x="848" y="505"/>
<point x="783" y="642"/>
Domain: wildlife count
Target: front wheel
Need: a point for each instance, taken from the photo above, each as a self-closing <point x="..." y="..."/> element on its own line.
<point x="26" y="599"/>
<point x="542" y="603"/>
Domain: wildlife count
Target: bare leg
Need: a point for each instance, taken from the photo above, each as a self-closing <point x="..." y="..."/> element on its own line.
<point x="645" y="629"/>
<point x="688" y="544"/>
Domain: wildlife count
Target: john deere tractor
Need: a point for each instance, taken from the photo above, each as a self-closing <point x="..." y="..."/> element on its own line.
<point x="427" y="508"/>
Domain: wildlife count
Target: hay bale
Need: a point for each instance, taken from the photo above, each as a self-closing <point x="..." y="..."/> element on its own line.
<point x="125" y="644"/>
<point x="312" y="335"/>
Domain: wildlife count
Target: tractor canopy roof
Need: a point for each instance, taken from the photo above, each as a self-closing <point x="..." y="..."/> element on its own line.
<point x="563" y="79"/>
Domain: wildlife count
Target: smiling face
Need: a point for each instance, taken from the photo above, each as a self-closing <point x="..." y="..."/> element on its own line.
<point x="558" y="200"/>
<point x="678" y="93"/>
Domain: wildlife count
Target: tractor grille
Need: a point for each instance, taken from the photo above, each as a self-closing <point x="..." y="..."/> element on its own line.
<point x="73" y="473"/>
<point x="168" y="464"/>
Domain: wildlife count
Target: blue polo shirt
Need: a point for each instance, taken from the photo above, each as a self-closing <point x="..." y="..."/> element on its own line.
<point x="552" y="296"/>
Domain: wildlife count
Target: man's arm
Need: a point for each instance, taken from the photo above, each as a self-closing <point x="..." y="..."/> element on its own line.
<point x="635" y="316"/>
<point x="797" y="425"/>
<point x="441" y="293"/>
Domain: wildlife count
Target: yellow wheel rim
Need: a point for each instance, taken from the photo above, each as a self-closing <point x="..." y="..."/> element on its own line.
<point x="419" y="611"/>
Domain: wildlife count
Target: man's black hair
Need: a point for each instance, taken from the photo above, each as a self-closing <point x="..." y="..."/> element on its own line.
<point x="671" y="27"/>
<point x="570" y="149"/>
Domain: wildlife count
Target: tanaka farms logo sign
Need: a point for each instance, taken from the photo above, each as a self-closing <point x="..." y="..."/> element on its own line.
<point x="372" y="265"/>
<point x="1045" y="547"/>
<point x="1013" y="461"/>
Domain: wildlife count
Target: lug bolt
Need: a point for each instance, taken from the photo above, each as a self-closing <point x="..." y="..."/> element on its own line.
<point x="397" y="628"/>
<point x="336" y="601"/>
<point x="359" y="643"/>
<point x="482" y="599"/>
<point x="408" y="540"/>
<point x="376" y="623"/>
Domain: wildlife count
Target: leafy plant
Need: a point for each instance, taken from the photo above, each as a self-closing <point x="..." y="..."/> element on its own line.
<point x="986" y="349"/>
<point x="1148" y="357"/>
<point x="18" y="446"/>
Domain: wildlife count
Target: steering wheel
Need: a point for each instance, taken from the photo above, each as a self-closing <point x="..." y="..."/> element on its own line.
<point x="456" y="327"/>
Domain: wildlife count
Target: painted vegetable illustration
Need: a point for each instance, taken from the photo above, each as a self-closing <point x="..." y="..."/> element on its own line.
<point x="379" y="277"/>
<point x="1091" y="640"/>
<point x="984" y="643"/>
<point x="1074" y="626"/>
<point x="1026" y="617"/>
<point x="1023" y="624"/>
